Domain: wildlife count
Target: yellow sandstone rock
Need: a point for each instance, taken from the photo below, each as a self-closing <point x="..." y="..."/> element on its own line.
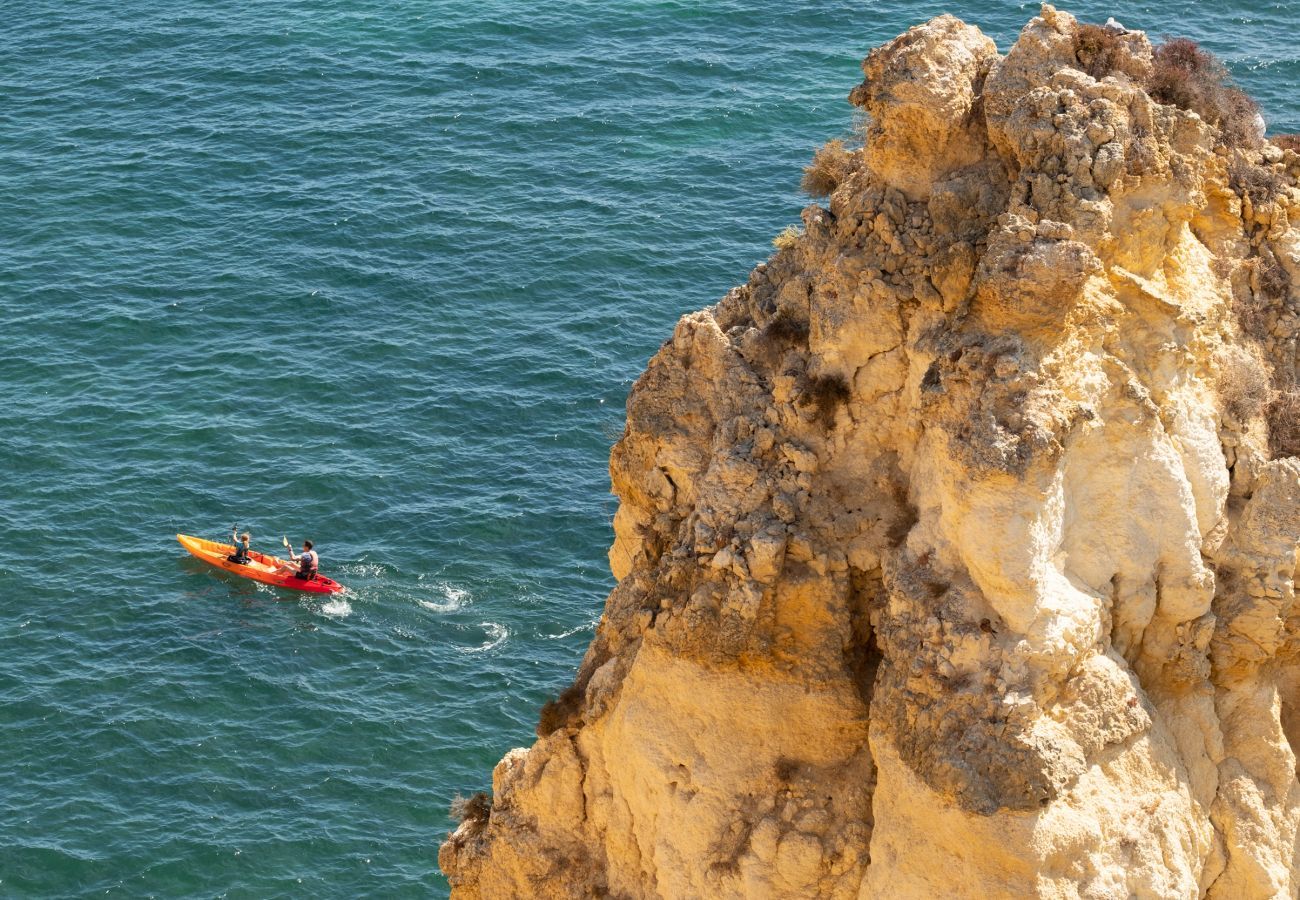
<point x="957" y="548"/>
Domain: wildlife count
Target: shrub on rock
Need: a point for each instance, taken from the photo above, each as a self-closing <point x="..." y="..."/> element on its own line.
<point x="1189" y="77"/>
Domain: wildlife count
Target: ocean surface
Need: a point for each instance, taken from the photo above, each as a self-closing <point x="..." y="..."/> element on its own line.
<point x="379" y="274"/>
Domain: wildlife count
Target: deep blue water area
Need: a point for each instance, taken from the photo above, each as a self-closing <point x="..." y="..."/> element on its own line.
<point x="379" y="274"/>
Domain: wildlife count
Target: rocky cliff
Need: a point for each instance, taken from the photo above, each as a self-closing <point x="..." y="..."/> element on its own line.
<point x="956" y="549"/>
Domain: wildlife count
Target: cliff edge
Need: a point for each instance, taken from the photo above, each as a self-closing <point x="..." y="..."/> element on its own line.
<point x="956" y="550"/>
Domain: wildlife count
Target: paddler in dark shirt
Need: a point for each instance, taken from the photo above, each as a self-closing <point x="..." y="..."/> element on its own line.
<point x="241" y="547"/>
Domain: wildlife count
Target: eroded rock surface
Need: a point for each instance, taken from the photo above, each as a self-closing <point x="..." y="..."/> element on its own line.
<point x="952" y="556"/>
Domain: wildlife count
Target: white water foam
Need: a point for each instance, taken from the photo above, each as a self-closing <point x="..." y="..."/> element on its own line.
<point x="365" y="569"/>
<point x="337" y="608"/>
<point x="496" y="633"/>
<point x="586" y="626"/>
<point x="453" y="599"/>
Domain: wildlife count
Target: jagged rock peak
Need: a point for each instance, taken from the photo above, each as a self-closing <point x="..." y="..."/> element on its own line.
<point x="956" y="549"/>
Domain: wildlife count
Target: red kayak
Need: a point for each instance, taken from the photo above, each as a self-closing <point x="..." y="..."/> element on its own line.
<point x="260" y="567"/>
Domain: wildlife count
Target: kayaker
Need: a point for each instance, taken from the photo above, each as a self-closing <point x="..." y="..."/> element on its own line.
<point x="241" y="547"/>
<point x="308" y="561"/>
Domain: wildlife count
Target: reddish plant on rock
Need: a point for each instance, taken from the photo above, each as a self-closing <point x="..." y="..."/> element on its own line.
<point x="1189" y="77"/>
<point x="1286" y="142"/>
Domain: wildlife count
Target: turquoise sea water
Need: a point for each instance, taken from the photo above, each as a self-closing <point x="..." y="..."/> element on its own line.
<point x="379" y="274"/>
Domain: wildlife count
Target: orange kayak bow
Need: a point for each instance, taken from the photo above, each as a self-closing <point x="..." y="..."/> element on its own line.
<point x="260" y="567"/>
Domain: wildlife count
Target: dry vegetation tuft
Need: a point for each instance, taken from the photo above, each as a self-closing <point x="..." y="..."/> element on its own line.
<point x="475" y="809"/>
<point x="1284" y="424"/>
<point x="826" y="393"/>
<point x="1244" y="390"/>
<point x="785" y="769"/>
<point x="788" y="237"/>
<point x="1102" y="51"/>
<point x="1274" y="282"/>
<point x="1262" y="184"/>
<point x="561" y="711"/>
<point x="786" y="329"/>
<point x="1251" y="310"/>
<point x="830" y="165"/>
<point x="1255" y="309"/>
<point x="1287" y="142"/>
<point x="1190" y="77"/>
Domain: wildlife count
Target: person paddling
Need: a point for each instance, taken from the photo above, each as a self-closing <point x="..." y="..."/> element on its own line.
<point x="241" y="546"/>
<point x="308" y="561"/>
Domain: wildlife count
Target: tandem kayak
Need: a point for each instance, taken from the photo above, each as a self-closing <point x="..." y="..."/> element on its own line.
<point x="260" y="567"/>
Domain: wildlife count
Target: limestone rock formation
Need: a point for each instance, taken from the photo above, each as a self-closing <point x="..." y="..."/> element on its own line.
<point x="956" y="549"/>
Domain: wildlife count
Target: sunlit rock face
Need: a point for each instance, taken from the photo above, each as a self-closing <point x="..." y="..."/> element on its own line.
<point x="953" y="558"/>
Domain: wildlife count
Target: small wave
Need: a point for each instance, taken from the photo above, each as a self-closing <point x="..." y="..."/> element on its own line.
<point x="454" y="598"/>
<point x="337" y="609"/>
<point x="496" y="634"/>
